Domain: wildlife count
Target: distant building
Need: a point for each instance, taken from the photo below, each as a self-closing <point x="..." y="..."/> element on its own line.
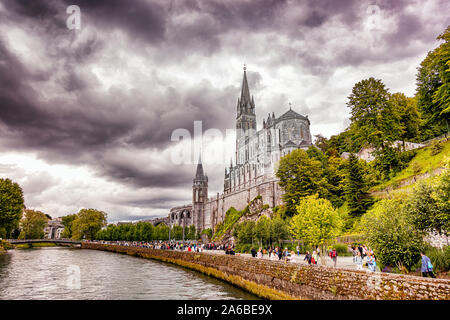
<point x="368" y="152"/>
<point x="53" y="229"/>
<point x="345" y="155"/>
<point x="253" y="172"/>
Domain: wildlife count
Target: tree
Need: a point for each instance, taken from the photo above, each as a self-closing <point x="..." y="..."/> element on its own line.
<point x="262" y="231"/>
<point x="87" y="223"/>
<point x="317" y="222"/>
<point x="356" y="188"/>
<point x="11" y="205"/>
<point x="33" y="224"/>
<point x="245" y="232"/>
<point x="67" y="223"/>
<point x="392" y="235"/>
<point x="191" y="232"/>
<point x="409" y="116"/>
<point x="321" y="142"/>
<point x="335" y="173"/>
<point x="278" y="229"/>
<point x="433" y="89"/>
<point x="429" y="205"/>
<point x="373" y="119"/>
<point x="300" y="176"/>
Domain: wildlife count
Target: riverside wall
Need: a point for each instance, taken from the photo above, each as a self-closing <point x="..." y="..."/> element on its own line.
<point x="278" y="280"/>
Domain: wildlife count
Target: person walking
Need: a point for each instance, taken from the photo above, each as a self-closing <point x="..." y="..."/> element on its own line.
<point x="333" y="256"/>
<point x="427" y="267"/>
<point x="298" y="251"/>
<point x="308" y="257"/>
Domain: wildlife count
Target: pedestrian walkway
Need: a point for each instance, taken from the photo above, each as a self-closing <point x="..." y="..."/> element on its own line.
<point x="342" y="262"/>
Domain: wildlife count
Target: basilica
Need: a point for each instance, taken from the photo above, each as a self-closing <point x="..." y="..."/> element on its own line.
<point x="253" y="172"/>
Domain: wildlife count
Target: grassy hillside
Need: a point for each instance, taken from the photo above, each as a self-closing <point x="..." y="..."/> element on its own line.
<point x="423" y="162"/>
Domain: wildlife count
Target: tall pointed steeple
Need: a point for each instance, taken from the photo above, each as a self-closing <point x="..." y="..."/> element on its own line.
<point x="246" y="104"/>
<point x="245" y="92"/>
<point x="199" y="174"/>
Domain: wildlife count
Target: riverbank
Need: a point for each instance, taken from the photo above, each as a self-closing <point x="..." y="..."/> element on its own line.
<point x="282" y="281"/>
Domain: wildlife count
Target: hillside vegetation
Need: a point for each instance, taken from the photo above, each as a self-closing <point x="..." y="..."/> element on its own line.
<point x="426" y="160"/>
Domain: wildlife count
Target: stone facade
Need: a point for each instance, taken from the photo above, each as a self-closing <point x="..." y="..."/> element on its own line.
<point x="256" y="157"/>
<point x="279" y="280"/>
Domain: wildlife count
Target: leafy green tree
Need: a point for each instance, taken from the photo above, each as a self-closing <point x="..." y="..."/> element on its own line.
<point x="344" y="142"/>
<point x="373" y="119"/>
<point x="300" y="176"/>
<point x="207" y="232"/>
<point x="161" y="232"/>
<point x="67" y="223"/>
<point x="433" y="89"/>
<point x="278" y="229"/>
<point x="429" y="205"/>
<point x="321" y="142"/>
<point x="356" y="188"/>
<point x="409" y="116"/>
<point x="87" y="223"/>
<point x="33" y="224"/>
<point x="176" y="233"/>
<point x="246" y="232"/>
<point x="191" y="232"/>
<point x="335" y="173"/>
<point x="262" y="231"/>
<point x="316" y="223"/>
<point x="392" y="235"/>
<point x="147" y="231"/>
<point x="11" y="205"/>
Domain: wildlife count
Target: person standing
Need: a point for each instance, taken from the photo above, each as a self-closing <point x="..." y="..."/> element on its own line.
<point x="253" y="251"/>
<point x="427" y="267"/>
<point x="358" y="261"/>
<point x="314" y="257"/>
<point x="298" y="251"/>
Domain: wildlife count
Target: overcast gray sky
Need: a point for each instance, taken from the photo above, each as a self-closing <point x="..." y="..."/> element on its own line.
<point x="86" y="115"/>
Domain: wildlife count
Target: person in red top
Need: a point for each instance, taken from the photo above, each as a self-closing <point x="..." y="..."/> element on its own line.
<point x="333" y="256"/>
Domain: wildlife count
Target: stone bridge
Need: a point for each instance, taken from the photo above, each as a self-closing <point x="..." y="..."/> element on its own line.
<point x="181" y="216"/>
<point x="55" y="241"/>
<point x="157" y="221"/>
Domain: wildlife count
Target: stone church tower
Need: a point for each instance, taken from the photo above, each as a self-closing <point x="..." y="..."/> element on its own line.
<point x="199" y="196"/>
<point x="245" y="122"/>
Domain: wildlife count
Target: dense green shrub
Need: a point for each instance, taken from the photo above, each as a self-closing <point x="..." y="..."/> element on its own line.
<point x="342" y="249"/>
<point x="436" y="148"/>
<point x="440" y="258"/>
<point x="392" y="234"/>
<point x="243" y="247"/>
<point x="5" y="245"/>
<point x="231" y="217"/>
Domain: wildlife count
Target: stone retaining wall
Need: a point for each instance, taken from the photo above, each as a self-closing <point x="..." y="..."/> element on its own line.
<point x="279" y="280"/>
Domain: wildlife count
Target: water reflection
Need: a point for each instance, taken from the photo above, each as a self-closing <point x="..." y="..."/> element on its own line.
<point x="51" y="273"/>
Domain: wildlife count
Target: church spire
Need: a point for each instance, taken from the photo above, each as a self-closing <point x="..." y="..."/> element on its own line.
<point x="199" y="175"/>
<point x="245" y="93"/>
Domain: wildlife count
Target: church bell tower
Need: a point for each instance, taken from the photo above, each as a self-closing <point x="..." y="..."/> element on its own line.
<point x="199" y="196"/>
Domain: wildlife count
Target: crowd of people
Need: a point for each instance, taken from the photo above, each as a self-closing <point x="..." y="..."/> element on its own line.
<point x="362" y="255"/>
<point x="190" y="246"/>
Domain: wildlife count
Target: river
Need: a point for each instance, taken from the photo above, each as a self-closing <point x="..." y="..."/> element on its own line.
<point x="73" y="273"/>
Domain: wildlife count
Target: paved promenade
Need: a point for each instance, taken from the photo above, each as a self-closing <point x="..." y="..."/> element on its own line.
<point x="342" y="262"/>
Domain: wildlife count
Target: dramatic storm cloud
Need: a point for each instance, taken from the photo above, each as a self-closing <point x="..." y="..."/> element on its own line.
<point x="87" y="115"/>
